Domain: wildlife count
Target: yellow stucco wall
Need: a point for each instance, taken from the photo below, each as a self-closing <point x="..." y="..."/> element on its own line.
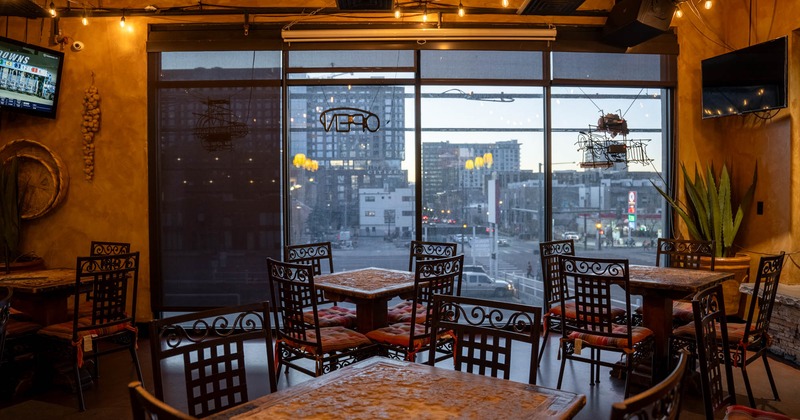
<point x="114" y="206"/>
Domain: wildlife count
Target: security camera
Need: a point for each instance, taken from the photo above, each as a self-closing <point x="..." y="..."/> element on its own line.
<point x="77" y="46"/>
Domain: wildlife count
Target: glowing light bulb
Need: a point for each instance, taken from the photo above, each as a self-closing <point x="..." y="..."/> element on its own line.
<point x="122" y="22"/>
<point x="505" y="3"/>
<point x="84" y="21"/>
<point x="707" y="4"/>
<point x="679" y="13"/>
<point x="460" y="9"/>
<point x="52" y="9"/>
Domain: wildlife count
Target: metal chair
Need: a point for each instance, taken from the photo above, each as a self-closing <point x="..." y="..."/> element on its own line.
<point x="553" y="287"/>
<point x="109" y="248"/>
<point x="145" y="406"/>
<point x="595" y="326"/>
<point x="317" y="256"/>
<point x="404" y="340"/>
<point x="484" y="331"/>
<point x="5" y="313"/>
<point x="685" y="253"/>
<point x="420" y="251"/>
<point x="212" y="349"/>
<point x="662" y="401"/>
<point x="110" y="324"/>
<point x="299" y="337"/>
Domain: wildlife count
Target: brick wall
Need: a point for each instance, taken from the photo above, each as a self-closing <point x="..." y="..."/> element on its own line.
<point x="785" y="323"/>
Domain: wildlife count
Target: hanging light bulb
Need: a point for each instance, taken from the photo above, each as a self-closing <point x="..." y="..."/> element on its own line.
<point x="84" y="19"/>
<point x="52" y="9"/>
<point x="425" y="13"/>
<point x="505" y="3"/>
<point x="707" y="4"/>
<point x="679" y="13"/>
<point x="397" y="12"/>
<point x="460" y="9"/>
<point x="122" y="20"/>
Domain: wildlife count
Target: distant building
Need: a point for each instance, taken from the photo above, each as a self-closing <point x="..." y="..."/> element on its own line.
<point x="386" y="212"/>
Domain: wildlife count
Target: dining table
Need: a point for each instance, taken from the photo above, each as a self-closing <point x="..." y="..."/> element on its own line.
<point x="382" y="388"/>
<point x="42" y="294"/>
<point x="659" y="286"/>
<point x="370" y="289"/>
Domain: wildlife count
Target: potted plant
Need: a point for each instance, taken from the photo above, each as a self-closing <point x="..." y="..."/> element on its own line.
<point x="709" y="216"/>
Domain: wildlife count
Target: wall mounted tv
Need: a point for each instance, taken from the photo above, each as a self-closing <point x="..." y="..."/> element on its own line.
<point x="29" y="78"/>
<point x="751" y="79"/>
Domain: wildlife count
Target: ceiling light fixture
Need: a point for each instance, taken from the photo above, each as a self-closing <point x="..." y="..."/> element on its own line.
<point x="397" y="12"/>
<point x="419" y="34"/>
<point x="460" y="9"/>
<point x="707" y="4"/>
<point x="122" y="20"/>
<point x="52" y="10"/>
<point x="84" y="19"/>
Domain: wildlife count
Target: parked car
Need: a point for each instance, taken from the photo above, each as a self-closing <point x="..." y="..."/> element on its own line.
<point x="481" y="285"/>
<point x="502" y="243"/>
<point x="571" y="235"/>
<point x="474" y="269"/>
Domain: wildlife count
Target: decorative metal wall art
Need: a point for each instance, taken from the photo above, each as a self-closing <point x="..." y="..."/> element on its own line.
<point x="601" y="149"/>
<point x="217" y="127"/>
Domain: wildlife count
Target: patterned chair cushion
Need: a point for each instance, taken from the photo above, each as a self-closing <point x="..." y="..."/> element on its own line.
<point x="741" y="412"/>
<point x="682" y="311"/>
<point x="334" y="316"/>
<point x="638" y="334"/>
<point x="398" y="335"/>
<point x="402" y="313"/>
<point x="555" y="311"/>
<point x="64" y="329"/>
<point x="735" y="332"/>
<point x="685" y="331"/>
<point x="333" y="339"/>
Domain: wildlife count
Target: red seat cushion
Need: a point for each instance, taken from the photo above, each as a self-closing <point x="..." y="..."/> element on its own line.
<point x="402" y="313"/>
<point x="64" y="329"/>
<point x="334" y="316"/>
<point x="741" y="412"/>
<point x="735" y="332"/>
<point x="555" y="311"/>
<point x="682" y="311"/>
<point x="333" y="339"/>
<point x="638" y="334"/>
<point x="398" y="335"/>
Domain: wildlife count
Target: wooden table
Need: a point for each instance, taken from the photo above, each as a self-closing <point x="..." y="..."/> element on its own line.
<point x="380" y="388"/>
<point x="370" y="289"/>
<point x="42" y="294"/>
<point x="658" y="286"/>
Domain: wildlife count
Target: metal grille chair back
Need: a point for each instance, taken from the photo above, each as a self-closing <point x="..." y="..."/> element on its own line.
<point x="211" y="346"/>
<point x="662" y="401"/>
<point x="549" y="252"/>
<point x="316" y="255"/>
<point x="422" y="250"/>
<point x="685" y="253"/>
<point x="484" y="331"/>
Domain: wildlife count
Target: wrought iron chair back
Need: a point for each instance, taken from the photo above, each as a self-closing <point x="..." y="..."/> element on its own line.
<point x="109" y="248"/>
<point x="711" y="335"/>
<point x="316" y="255"/>
<point x="593" y="280"/>
<point x="294" y="285"/>
<point x="484" y="331"/>
<point x="685" y="253"/>
<point x="211" y="346"/>
<point x="145" y="406"/>
<point x="422" y="250"/>
<point x="549" y="252"/>
<point x="662" y="401"/>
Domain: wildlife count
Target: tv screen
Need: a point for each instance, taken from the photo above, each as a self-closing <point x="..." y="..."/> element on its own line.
<point x="29" y="78"/>
<point x="751" y="79"/>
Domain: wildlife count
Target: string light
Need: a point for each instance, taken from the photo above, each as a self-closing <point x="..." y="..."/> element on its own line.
<point x="84" y="20"/>
<point x="425" y="13"/>
<point x="397" y="13"/>
<point x="707" y="4"/>
<point x="460" y="9"/>
<point x="505" y="3"/>
<point x="52" y="9"/>
<point x="122" y="20"/>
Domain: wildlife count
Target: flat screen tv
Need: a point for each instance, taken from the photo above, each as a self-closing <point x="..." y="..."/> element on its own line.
<point x="29" y="78"/>
<point x="751" y="79"/>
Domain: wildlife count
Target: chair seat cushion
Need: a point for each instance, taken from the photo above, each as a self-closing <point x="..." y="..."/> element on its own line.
<point x="638" y="334"/>
<point x="398" y="335"/>
<point x="741" y="412"/>
<point x="682" y="311"/>
<point x="18" y="328"/>
<point x="402" y="313"/>
<point x="735" y="333"/>
<point x="555" y="311"/>
<point x="64" y="329"/>
<point x="334" y="316"/>
<point x="333" y="339"/>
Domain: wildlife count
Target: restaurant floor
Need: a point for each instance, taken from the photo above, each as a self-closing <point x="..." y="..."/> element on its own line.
<point x="108" y="399"/>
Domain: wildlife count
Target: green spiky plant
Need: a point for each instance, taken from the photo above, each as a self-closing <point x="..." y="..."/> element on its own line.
<point x="708" y="212"/>
<point x="9" y="212"/>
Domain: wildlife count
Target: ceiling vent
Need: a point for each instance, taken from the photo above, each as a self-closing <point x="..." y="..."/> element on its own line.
<point x="549" y="7"/>
<point x="23" y="8"/>
<point x="364" y="4"/>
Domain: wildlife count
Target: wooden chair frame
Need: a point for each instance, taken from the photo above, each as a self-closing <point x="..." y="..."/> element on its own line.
<point x="662" y="401"/>
<point x="296" y="338"/>
<point x="484" y="331"/>
<point x="145" y="406"/>
<point x="211" y="345"/>
<point x="549" y="253"/>
<point x="595" y="316"/>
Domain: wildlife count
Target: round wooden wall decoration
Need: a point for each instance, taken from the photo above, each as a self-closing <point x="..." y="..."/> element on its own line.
<point x="43" y="179"/>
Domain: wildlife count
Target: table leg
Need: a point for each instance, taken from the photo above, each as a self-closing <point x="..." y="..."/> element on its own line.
<point x="657" y="316"/>
<point x="371" y="314"/>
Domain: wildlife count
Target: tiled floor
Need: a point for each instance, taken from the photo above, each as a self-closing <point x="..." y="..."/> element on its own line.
<point x="109" y="400"/>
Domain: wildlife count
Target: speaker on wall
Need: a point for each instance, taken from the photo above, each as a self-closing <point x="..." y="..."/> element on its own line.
<point x="632" y="22"/>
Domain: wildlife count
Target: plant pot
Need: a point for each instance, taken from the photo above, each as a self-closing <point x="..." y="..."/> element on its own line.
<point x="739" y="265"/>
<point x="25" y="265"/>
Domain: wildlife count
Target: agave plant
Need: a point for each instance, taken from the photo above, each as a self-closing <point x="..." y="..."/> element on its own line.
<point x="708" y="212"/>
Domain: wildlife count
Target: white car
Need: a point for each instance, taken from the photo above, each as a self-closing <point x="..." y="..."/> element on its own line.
<point x="479" y="284"/>
<point x="571" y="235"/>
